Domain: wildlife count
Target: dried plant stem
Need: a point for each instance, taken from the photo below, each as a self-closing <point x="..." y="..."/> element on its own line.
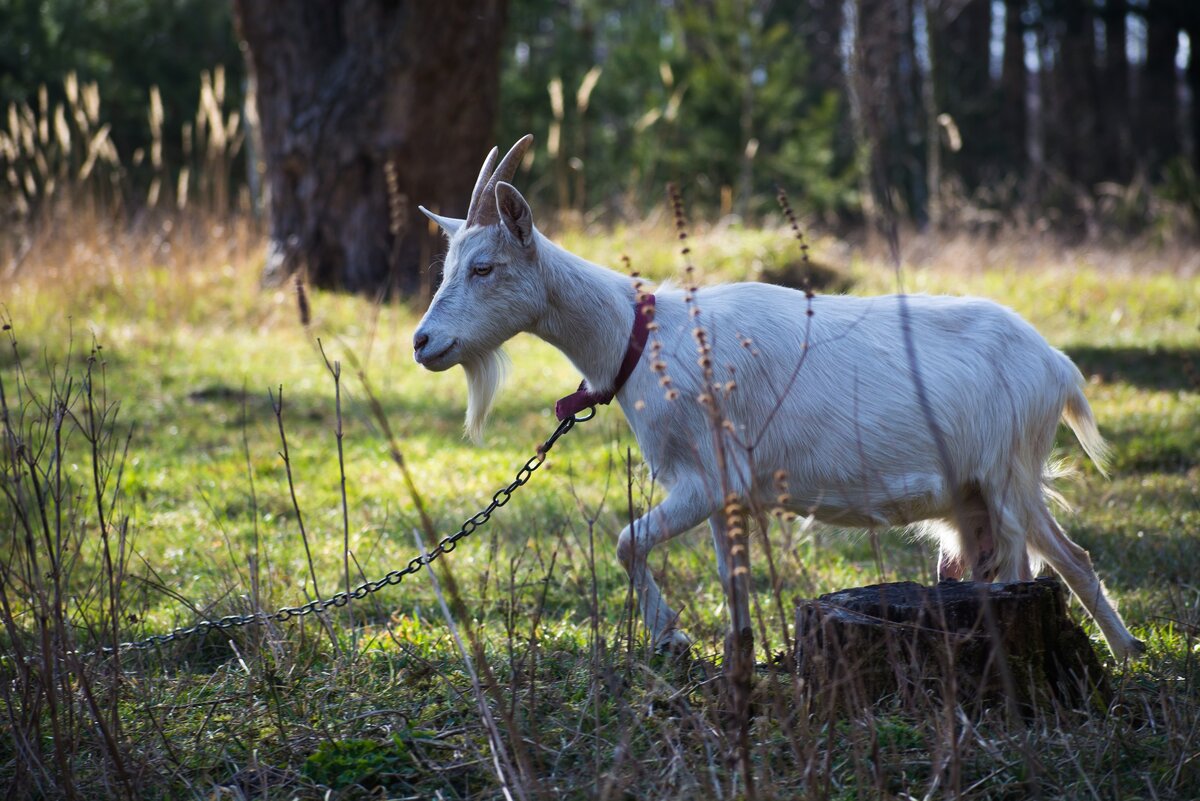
<point x="19" y="464"/>
<point x="739" y="643"/>
<point x="335" y="370"/>
<point x="277" y="406"/>
<point x="630" y="601"/>
<point x="110" y="729"/>
<point x="256" y="554"/>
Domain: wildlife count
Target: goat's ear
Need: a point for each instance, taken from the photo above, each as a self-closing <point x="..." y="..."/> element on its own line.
<point x="448" y="224"/>
<point x="514" y="213"/>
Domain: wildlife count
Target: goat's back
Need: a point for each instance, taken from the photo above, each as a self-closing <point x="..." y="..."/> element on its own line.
<point x="864" y="404"/>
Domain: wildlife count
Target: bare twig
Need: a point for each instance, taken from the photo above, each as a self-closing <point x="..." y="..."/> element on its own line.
<point x="335" y="370"/>
<point x="277" y="406"/>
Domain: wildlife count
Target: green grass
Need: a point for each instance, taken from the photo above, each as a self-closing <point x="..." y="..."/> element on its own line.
<point x="190" y="349"/>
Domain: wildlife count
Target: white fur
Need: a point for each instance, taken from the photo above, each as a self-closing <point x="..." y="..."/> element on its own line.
<point x="484" y="377"/>
<point x="847" y="425"/>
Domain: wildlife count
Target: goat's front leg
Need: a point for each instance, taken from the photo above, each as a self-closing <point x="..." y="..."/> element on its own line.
<point x="681" y="510"/>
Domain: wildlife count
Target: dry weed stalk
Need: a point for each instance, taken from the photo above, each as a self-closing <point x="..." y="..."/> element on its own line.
<point x="49" y="616"/>
<point x="739" y="642"/>
<point x="277" y="406"/>
<point x="59" y="161"/>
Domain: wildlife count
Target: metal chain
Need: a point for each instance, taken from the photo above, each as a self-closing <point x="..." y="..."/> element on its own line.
<point x="337" y="600"/>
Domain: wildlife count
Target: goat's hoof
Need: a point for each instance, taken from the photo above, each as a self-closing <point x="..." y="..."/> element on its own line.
<point x="673" y="643"/>
<point x="1133" y="649"/>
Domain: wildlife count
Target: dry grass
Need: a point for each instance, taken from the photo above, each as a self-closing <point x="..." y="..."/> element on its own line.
<point x="63" y="174"/>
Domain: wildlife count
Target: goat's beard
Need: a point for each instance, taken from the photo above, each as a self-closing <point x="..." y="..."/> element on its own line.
<point x="485" y="373"/>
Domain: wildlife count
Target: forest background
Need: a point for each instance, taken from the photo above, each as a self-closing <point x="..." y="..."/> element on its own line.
<point x="1074" y="117"/>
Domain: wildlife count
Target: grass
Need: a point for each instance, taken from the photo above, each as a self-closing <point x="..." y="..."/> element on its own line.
<point x="200" y="521"/>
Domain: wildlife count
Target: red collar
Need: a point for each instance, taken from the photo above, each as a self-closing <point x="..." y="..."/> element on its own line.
<point x="582" y="398"/>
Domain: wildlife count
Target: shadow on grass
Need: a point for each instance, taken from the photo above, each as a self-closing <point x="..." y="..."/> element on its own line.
<point x="1135" y="555"/>
<point x="1145" y="443"/>
<point x="1164" y="369"/>
<point x="429" y="417"/>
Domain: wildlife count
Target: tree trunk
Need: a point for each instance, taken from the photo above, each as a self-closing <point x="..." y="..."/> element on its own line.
<point x="1191" y="24"/>
<point x="1159" y="121"/>
<point x="885" y="83"/>
<point x="966" y="643"/>
<point x="1014" y="86"/>
<point x="820" y="22"/>
<point x="960" y="44"/>
<point x="1115" y="96"/>
<point x="369" y="108"/>
<point x="933" y="132"/>
<point x="1075" y="75"/>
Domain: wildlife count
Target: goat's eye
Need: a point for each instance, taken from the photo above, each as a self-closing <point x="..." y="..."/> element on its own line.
<point x="481" y="269"/>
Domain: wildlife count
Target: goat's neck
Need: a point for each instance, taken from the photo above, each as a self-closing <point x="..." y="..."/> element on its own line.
<point x="589" y="313"/>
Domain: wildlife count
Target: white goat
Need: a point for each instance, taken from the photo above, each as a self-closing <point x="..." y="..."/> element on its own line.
<point x="904" y="409"/>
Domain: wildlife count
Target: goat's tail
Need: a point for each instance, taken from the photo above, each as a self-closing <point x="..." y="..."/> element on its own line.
<point x="1078" y="415"/>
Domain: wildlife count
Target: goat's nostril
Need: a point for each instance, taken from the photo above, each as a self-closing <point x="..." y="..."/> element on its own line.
<point x="420" y="341"/>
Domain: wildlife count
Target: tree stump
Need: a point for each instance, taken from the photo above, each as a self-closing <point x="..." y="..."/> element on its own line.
<point x="971" y="643"/>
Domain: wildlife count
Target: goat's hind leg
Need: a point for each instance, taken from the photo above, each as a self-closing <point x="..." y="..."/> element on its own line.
<point x="957" y="551"/>
<point x="993" y="535"/>
<point x="953" y="555"/>
<point x="1074" y="564"/>
<point x="966" y="540"/>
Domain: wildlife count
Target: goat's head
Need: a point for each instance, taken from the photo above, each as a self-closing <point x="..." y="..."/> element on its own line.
<point x="490" y="287"/>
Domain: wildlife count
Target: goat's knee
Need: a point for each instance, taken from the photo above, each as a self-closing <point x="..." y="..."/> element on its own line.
<point x="625" y="548"/>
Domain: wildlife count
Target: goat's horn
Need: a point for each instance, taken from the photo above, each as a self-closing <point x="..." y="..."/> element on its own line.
<point x="486" y="213"/>
<point x="508" y="167"/>
<point x="485" y="172"/>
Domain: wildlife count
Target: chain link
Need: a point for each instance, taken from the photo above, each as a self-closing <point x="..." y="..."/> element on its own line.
<point x="337" y="600"/>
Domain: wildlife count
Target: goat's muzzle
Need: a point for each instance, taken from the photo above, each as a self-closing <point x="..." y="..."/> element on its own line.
<point x="433" y="355"/>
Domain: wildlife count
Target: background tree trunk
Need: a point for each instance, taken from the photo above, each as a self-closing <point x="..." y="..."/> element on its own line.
<point x="890" y="125"/>
<point x="820" y="22"/>
<point x="1190" y="18"/>
<point x="1159" y="121"/>
<point x="1114" y="97"/>
<point x="1074" y="141"/>
<point x="369" y="108"/>
<point x="960" y="41"/>
<point x="1014" y="86"/>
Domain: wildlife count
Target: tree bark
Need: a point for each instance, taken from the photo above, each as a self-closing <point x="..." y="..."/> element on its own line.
<point x="1159" y="124"/>
<point x="820" y="22"/>
<point x="1115" y="96"/>
<point x="889" y="124"/>
<point x="1191" y="23"/>
<point x="1075" y="74"/>
<point x="960" y="44"/>
<point x="966" y="643"/>
<point x="1014" y="87"/>
<point x="369" y="108"/>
